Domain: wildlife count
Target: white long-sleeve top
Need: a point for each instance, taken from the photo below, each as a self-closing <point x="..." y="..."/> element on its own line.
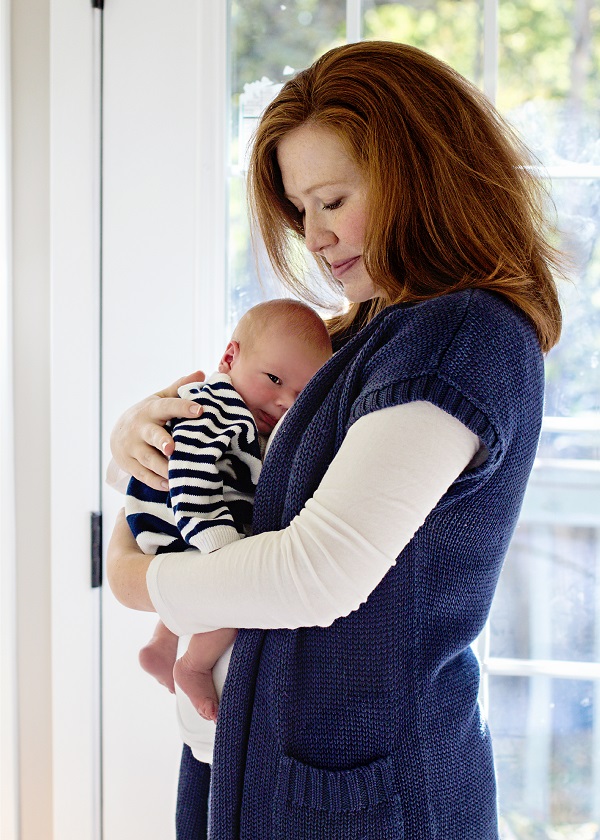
<point x="393" y="467"/>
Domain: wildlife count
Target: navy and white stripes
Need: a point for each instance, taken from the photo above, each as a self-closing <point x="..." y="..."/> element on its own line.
<point x="213" y="474"/>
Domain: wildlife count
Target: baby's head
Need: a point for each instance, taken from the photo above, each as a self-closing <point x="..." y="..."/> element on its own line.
<point x="275" y="349"/>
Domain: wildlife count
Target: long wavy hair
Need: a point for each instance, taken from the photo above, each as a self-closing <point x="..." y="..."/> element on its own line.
<point x="453" y="199"/>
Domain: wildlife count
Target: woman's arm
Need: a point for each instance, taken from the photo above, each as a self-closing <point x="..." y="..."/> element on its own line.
<point x="127" y="567"/>
<point x="392" y="468"/>
<point x="139" y="441"/>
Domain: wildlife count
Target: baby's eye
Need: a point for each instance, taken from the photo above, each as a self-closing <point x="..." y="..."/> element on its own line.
<point x="275" y="379"/>
<point x="333" y="206"/>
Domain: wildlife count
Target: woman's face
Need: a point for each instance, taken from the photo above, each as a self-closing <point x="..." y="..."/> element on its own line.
<point x="328" y="189"/>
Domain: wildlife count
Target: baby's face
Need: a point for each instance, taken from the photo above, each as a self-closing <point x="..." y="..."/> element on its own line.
<point x="271" y="374"/>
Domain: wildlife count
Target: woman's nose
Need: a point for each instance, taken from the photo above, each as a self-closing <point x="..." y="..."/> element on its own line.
<point x="316" y="234"/>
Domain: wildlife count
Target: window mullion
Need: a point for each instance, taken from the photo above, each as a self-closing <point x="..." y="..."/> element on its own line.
<point x="490" y="48"/>
<point x="354" y="16"/>
<point x="211" y="176"/>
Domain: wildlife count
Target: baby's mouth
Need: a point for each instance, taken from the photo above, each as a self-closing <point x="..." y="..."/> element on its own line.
<point x="268" y="419"/>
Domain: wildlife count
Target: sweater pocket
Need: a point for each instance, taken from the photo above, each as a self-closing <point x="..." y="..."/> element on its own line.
<point x="315" y="804"/>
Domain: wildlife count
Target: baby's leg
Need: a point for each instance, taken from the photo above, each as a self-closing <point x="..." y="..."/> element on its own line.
<point x="193" y="670"/>
<point x="159" y="655"/>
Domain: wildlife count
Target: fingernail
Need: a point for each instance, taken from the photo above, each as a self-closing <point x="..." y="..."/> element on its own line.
<point x="164" y="445"/>
<point x="164" y="485"/>
<point x="195" y="409"/>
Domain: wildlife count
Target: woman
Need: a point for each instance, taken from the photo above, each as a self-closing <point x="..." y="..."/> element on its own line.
<point x="389" y="495"/>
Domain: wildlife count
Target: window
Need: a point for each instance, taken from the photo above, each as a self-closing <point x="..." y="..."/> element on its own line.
<point x="544" y="635"/>
<point x="269" y="41"/>
<point x="539" y="61"/>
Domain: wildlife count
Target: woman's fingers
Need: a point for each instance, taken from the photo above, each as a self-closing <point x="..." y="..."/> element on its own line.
<point x="140" y="443"/>
<point x="151" y="467"/>
<point x="171" y="390"/>
<point x="155" y="435"/>
<point x="161" y="409"/>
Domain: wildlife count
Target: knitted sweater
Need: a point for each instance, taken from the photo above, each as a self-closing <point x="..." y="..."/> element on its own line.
<point x="370" y="728"/>
<point x="213" y="473"/>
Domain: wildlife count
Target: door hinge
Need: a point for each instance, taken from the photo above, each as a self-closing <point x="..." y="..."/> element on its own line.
<point x="96" y="542"/>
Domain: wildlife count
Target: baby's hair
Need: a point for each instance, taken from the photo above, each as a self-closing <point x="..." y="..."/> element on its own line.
<point x="296" y="317"/>
<point x="453" y="202"/>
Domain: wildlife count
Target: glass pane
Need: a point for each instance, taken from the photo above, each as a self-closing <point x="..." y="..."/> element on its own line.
<point x="450" y="30"/>
<point x="548" y="598"/>
<point x="549" y="87"/>
<point x="268" y="42"/>
<point x="548" y="76"/>
<point x="574" y="365"/>
<point x="548" y="603"/>
<point x="547" y="753"/>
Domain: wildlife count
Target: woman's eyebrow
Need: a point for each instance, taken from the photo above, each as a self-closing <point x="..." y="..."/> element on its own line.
<point x="315" y="187"/>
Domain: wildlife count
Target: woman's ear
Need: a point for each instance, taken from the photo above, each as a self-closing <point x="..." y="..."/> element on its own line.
<point x="229" y="357"/>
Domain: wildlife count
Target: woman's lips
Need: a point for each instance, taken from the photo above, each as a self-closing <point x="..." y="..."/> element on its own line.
<point x="339" y="268"/>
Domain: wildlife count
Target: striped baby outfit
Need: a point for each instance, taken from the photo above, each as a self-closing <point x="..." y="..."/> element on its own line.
<point x="213" y="473"/>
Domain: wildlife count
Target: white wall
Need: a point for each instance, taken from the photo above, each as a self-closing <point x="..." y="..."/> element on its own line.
<point x="56" y="452"/>
<point x="163" y="294"/>
<point x="31" y="295"/>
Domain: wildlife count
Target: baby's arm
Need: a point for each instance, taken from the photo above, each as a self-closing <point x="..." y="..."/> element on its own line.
<point x="205" y="448"/>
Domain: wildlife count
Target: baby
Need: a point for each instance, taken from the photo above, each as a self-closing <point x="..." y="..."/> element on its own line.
<point x="275" y="349"/>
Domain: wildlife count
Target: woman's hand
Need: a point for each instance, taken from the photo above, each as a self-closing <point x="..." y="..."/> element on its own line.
<point x="126" y="567"/>
<point x="140" y="443"/>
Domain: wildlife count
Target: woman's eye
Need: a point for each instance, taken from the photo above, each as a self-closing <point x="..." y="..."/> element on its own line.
<point x="275" y="379"/>
<point x="333" y="206"/>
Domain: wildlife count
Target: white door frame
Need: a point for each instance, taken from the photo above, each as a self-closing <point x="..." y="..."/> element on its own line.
<point x="49" y="655"/>
<point x="9" y="801"/>
<point x="74" y="415"/>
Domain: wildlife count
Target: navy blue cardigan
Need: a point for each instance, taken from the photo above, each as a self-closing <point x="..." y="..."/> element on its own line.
<point x="370" y="729"/>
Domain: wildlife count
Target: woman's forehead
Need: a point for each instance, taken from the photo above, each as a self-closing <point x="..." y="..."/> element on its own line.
<point x="312" y="158"/>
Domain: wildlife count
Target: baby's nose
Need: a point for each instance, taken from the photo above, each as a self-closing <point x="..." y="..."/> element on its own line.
<point x="286" y="398"/>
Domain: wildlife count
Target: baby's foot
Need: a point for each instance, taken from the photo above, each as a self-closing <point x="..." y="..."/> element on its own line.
<point x="158" y="658"/>
<point x="198" y="685"/>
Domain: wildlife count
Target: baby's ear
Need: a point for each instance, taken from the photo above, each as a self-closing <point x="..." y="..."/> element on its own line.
<point x="229" y="357"/>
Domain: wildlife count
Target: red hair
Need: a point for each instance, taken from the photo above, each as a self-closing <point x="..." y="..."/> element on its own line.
<point x="453" y="201"/>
